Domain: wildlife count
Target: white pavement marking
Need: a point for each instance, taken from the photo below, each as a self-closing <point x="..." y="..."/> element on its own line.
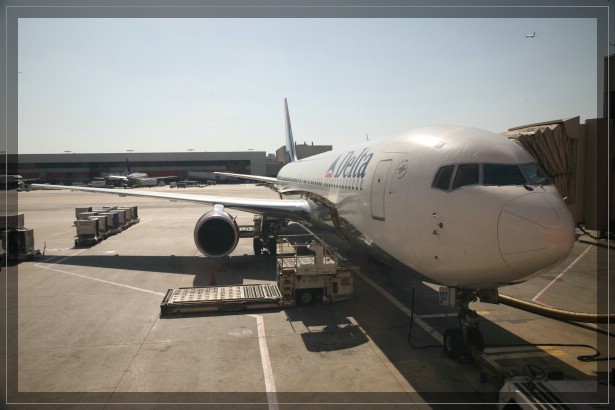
<point x="41" y="265"/>
<point x="58" y="234"/>
<point x="404" y="309"/>
<point x="272" y="396"/>
<point x="542" y="292"/>
<point x="50" y="258"/>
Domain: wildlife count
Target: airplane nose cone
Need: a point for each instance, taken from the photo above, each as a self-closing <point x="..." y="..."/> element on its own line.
<point x="535" y="232"/>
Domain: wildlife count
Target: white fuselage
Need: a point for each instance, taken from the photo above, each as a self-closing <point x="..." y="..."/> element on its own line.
<point x="380" y="194"/>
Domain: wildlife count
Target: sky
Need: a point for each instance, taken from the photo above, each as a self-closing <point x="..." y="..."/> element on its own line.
<point x="169" y="85"/>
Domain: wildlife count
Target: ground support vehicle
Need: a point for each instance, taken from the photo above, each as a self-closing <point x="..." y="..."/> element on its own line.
<point x="307" y="271"/>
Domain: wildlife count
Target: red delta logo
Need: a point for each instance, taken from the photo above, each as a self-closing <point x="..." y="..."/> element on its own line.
<point x="351" y="165"/>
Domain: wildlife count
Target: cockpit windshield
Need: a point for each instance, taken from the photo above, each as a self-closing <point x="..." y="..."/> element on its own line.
<point x="535" y="175"/>
<point x="489" y="174"/>
<point x="502" y="175"/>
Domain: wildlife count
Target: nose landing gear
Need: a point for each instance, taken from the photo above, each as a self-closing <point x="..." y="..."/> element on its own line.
<point x="465" y="343"/>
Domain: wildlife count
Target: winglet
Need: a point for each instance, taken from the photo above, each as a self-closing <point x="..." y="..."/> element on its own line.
<point x="291" y="149"/>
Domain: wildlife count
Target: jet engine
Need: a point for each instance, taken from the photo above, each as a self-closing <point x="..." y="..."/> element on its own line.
<point x="216" y="233"/>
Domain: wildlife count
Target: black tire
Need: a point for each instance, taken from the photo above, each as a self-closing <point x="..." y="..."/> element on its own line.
<point x="272" y="246"/>
<point x="304" y="297"/>
<point x="475" y="338"/>
<point x="257" y="245"/>
<point x="453" y="344"/>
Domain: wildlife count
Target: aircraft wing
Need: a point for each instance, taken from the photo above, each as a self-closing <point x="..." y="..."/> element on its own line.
<point x="298" y="209"/>
<point x="266" y="180"/>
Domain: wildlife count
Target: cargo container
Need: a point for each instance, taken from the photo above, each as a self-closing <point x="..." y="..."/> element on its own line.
<point x="121" y="216"/>
<point x="102" y="224"/>
<point x="113" y="223"/>
<point x="11" y="221"/>
<point x="19" y="244"/>
<point x="80" y="211"/>
<point x="88" y="232"/>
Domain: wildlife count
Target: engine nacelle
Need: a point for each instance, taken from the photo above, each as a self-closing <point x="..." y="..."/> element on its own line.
<point x="216" y="234"/>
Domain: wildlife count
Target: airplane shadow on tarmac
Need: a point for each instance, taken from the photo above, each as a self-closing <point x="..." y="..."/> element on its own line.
<point x="388" y="328"/>
<point x="370" y="318"/>
<point x="228" y="270"/>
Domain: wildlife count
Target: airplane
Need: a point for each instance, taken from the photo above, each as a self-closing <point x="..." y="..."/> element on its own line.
<point x="530" y="35"/>
<point x="137" y="179"/>
<point x="14" y="182"/>
<point x="464" y="208"/>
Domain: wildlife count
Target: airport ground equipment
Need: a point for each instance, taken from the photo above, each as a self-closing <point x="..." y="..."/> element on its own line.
<point x="17" y="241"/>
<point x="145" y="182"/>
<point x="186" y="184"/>
<point x="264" y="233"/>
<point x="537" y="393"/>
<point x="96" y="224"/>
<point x="307" y="271"/>
<point x="18" y="244"/>
<point x="221" y="298"/>
<point x="15" y="221"/>
<point x="88" y="232"/>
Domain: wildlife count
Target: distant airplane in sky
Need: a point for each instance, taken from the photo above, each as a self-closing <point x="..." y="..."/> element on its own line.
<point x="530" y="35"/>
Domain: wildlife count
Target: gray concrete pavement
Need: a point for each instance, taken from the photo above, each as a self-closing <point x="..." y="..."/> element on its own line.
<point x="88" y="325"/>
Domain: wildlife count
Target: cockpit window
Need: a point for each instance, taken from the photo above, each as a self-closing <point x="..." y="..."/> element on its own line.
<point x="535" y="175"/>
<point x="502" y="175"/>
<point x="489" y="174"/>
<point x="467" y="174"/>
<point x="443" y="177"/>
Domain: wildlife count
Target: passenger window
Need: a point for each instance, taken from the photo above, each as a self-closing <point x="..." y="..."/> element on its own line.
<point x="467" y="174"/>
<point x="443" y="177"/>
<point x="502" y="175"/>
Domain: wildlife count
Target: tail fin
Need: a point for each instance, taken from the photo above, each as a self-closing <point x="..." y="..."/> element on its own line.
<point x="128" y="167"/>
<point x="291" y="149"/>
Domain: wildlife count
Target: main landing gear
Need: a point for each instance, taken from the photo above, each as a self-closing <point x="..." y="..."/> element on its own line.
<point x="266" y="230"/>
<point x="466" y="342"/>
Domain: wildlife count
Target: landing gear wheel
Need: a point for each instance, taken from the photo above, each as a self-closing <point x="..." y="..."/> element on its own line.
<point x="272" y="246"/>
<point x="453" y="344"/>
<point x="257" y="245"/>
<point x="475" y="338"/>
<point x="305" y="297"/>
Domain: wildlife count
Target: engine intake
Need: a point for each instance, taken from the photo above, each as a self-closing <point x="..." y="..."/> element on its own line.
<point x="216" y="233"/>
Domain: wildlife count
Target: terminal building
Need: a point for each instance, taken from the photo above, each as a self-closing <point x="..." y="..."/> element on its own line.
<point x="81" y="168"/>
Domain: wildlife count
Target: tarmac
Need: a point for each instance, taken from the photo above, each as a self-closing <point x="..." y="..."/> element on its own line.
<point x="84" y="327"/>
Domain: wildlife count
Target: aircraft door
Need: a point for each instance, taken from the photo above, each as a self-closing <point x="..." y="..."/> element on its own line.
<point x="379" y="188"/>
